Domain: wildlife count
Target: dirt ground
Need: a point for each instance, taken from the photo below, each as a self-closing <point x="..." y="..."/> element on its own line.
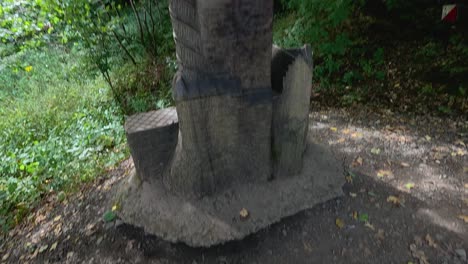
<point x="406" y="201"/>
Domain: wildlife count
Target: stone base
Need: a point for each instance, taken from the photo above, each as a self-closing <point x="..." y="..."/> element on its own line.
<point x="216" y="219"/>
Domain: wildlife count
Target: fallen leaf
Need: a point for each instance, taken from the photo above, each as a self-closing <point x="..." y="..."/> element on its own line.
<point x="376" y="151"/>
<point x="57" y="218"/>
<point x="307" y="247"/>
<point x="430" y="241"/>
<point x="384" y="173"/>
<point x="244" y="213"/>
<point x="334" y="129"/>
<point x="355" y="215"/>
<point x="358" y="162"/>
<point x="418" y="254"/>
<point x="464" y="218"/>
<point x="349" y="179"/>
<point x="354" y="195"/>
<point x="53" y="247"/>
<point x="380" y="234"/>
<point x="394" y="200"/>
<point x="409" y="185"/>
<point x="5" y="257"/>
<point x="339" y="223"/>
<point x="357" y="135"/>
<point x="428" y="138"/>
<point x="109" y="216"/>
<point x="34" y="255"/>
<point x="43" y="248"/>
<point x="370" y="226"/>
<point x="364" y="217"/>
<point x="405" y="165"/>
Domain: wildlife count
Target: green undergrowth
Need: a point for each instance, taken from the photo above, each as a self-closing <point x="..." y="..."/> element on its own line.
<point x="393" y="54"/>
<point x="59" y="127"/>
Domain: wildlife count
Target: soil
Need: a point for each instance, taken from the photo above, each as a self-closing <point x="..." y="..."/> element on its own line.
<point x="405" y="202"/>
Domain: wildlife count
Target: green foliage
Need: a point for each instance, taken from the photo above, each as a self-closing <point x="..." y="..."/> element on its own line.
<point x="28" y="23"/>
<point x="325" y="25"/>
<point x="379" y="51"/>
<point x="136" y="37"/>
<point x="58" y="128"/>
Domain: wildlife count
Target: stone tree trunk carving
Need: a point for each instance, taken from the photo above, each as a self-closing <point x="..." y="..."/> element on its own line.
<point x="238" y="138"/>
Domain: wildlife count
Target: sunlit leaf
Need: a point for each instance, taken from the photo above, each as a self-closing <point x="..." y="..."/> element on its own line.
<point x="375" y="151"/>
<point x="384" y="173"/>
<point x="244" y="213"/>
<point x="339" y="223"/>
<point x="464" y="218"/>
<point x="409" y="185"/>
<point x="394" y="200"/>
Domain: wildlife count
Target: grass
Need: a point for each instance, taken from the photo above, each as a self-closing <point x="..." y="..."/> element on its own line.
<point x="59" y="127"/>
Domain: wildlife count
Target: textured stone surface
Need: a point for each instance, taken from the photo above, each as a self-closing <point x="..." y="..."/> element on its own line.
<point x="191" y="184"/>
<point x="223" y="95"/>
<point x="215" y="219"/>
<point x="152" y="138"/>
<point x="290" y="108"/>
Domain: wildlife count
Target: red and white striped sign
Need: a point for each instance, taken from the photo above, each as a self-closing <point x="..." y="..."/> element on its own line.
<point x="450" y="13"/>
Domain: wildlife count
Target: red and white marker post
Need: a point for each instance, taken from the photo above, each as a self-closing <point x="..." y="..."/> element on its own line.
<point x="450" y="13"/>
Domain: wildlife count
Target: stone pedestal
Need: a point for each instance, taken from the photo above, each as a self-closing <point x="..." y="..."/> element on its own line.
<point x="239" y="140"/>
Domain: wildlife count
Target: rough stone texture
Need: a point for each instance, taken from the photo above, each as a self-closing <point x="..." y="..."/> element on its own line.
<point x="224" y="141"/>
<point x="223" y="95"/>
<point x="215" y="219"/>
<point x="152" y="138"/>
<point x="290" y="108"/>
<point x="193" y="179"/>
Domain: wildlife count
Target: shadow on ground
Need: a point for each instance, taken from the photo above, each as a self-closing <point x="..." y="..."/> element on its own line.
<point x="403" y="198"/>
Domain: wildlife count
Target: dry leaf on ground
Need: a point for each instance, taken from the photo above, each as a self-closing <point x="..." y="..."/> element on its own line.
<point x="339" y="223"/>
<point x="244" y="213"/>
<point x="384" y="173"/>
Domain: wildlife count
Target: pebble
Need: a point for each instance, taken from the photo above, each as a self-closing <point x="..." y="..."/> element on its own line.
<point x="118" y="223"/>
<point x="461" y="254"/>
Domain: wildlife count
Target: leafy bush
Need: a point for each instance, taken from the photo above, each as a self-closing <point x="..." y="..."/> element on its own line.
<point x="58" y="128"/>
<point x="27" y="24"/>
<point x="134" y="41"/>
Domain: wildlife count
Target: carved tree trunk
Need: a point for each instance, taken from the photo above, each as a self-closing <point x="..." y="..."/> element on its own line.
<point x="239" y="137"/>
<point x="223" y="94"/>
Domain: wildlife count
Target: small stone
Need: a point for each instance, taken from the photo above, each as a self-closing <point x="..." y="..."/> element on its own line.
<point x="461" y="253"/>
<point x="118" y="223"/>
<point x="108" y="225"/>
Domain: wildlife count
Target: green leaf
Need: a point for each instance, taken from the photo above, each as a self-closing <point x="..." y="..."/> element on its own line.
<point x="364" y="217"/>
<point x="109" y="216"/>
